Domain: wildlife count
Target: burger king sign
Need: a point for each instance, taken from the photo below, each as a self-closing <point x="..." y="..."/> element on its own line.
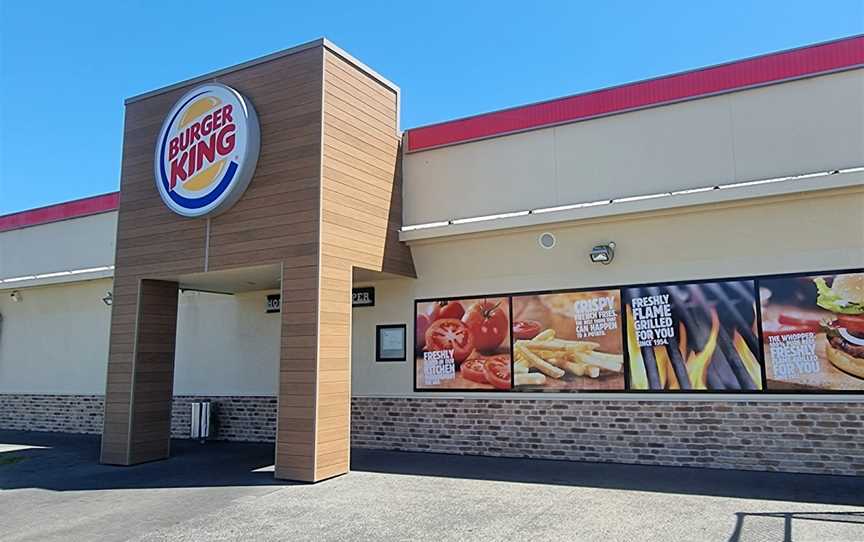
<point x="206" y="151"/>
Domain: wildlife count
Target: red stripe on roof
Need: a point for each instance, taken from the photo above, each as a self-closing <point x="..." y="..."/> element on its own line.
<point x="774" y="67"/>
<point x="61" y="211"/>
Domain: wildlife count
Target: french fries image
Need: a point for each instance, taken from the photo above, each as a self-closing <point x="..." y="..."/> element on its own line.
<point x="530" y="379"/>
<point x="560" y="345"/>
<point x="544" y="335"/>
<point x="537" y="362"/>
<point x="548" y="356"/>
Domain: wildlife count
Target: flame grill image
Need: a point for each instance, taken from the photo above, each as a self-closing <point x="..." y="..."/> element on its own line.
<point x="693" y="337"/>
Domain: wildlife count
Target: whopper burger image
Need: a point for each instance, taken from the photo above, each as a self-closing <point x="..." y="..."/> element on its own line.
<point x="813" y="331"/>
<point x="845" y="328"/>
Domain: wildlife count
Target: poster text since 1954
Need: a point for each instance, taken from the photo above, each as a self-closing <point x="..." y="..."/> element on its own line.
<point x="652" y="318"/>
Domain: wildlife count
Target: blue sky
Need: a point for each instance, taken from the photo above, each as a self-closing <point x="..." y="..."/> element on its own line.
<point x="66" y="67"/>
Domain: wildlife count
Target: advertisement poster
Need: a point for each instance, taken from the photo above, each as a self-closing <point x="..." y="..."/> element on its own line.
<point x="813" y="332"/>
<point x="463" y="344"/>
<point x="568" y="341"/>
<point x="693" y="337"/>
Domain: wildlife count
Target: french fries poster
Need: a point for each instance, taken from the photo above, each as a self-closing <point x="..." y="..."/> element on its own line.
<point x="568" y="341"/>
<point x="686" y="337"/>
<point x="813" y="331"/>
<point x="463" y="344"/>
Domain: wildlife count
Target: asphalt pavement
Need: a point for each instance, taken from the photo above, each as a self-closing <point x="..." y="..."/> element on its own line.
<point x="52" y="488"/>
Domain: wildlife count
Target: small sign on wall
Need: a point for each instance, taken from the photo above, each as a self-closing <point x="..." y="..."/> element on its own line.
<point x="390" y="342"/>
<point x="360" y="297"/>
<point x="363" y="297"/>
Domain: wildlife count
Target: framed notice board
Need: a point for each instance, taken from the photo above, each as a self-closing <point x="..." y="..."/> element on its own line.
<point x="390" y="342"/>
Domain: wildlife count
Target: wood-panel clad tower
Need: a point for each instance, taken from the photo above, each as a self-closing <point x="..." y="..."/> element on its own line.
<point x="324" y="199"/>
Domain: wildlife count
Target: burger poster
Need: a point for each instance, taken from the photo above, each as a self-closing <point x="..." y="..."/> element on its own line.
<point x="692" y="337"/>
<point x="568" y="341"/>
<point x="463" y="344"/>
<point x="813" y="332"/>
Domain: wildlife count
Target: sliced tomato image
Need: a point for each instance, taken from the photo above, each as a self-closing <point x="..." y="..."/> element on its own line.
<point x="473" y="370"/>
<point x="855" y="324"/>
<point x="421" y="324"/>
<point x="488" y="323"/>
<point x="497" y="371"/>
<point x="445" y="309"/>
<point x="450" y="334"/>
<point x="525" y="330"/>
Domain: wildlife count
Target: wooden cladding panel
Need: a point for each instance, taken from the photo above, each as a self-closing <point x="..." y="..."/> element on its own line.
<point x="361" y="171"/>
<point x="286" y="185"/>
<point x="359" y="192"/>
<point x="138" y="392"/>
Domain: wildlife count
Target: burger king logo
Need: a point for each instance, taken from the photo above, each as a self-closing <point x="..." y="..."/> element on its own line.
<point x="206" y="151"/>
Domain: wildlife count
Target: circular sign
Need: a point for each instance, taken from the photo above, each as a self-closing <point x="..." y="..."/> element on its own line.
<point x="206" y="151"/>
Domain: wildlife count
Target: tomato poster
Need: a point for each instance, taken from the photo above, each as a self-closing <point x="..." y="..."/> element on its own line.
<point x="568" y="341"/>
<point x="463" y="344"/>
<point x="813" y="332"/>
<point x="700" y="336"/>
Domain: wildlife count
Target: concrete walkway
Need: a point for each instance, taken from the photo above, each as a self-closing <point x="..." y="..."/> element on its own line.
<point x="51" y="488"/>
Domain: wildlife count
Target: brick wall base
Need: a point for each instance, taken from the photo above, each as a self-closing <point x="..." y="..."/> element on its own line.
<point x="56" y="413"/>
<point x="251" y="419"/>
<point x="819" y="437"/>
<point x="822" y="438"/>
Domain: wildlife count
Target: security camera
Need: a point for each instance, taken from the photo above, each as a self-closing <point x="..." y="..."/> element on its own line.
<point x="603" y="253"/>
<point x="15" y="296"/>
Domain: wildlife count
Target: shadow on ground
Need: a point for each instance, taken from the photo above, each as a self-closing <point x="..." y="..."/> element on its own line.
<point x="846" y="490"/>
<point x="856" y="518"/>
<point x="63" y="462"/>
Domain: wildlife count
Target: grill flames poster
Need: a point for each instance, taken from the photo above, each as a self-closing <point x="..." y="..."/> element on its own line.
<point x="693" y="337"/>
<point x="813" y="332"/>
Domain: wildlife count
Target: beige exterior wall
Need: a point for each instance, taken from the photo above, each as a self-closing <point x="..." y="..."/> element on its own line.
<point x="803" y="232"/>
<point x="79" y="243"/>
<point x="55" y="341"/>
<point x="804" y="126"/>
<point x="226" y="345"/>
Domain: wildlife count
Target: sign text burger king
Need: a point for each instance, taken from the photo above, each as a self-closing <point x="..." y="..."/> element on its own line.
<point x="206" y="151"/>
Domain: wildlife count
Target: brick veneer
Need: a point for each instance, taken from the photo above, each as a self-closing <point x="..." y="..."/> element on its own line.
<point x="237" y="418"/>
<point x="58" y="413"/>
<point x="825" y="438"/>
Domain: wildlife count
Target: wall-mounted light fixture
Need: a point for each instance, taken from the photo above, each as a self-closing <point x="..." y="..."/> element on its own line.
<point x="603" y="253"/>
<point x="15" y="296"/>
<point x="108" y="299"/>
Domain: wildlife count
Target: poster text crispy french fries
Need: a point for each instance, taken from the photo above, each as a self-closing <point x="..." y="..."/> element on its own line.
<point x="552" y="357"/>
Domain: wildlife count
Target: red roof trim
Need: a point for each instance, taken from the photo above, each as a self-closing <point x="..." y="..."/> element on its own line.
<point x="762" y="70"/>
<point x="61" y="211"/>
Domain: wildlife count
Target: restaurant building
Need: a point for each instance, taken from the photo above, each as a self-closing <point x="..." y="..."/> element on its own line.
<point x="665" y="272"/>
